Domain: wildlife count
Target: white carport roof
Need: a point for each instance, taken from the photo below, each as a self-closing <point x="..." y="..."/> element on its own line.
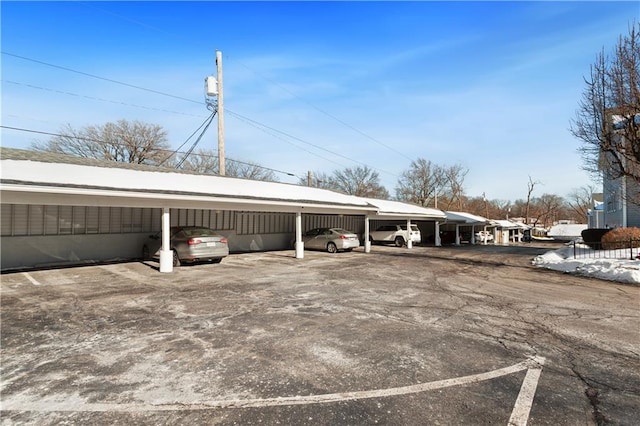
<point x="507" y="224"/>
<point x="398" y="210"/>
<point x="31" y="177"/>
<point x="43" y="178"/>
<point x="466" y="218"/>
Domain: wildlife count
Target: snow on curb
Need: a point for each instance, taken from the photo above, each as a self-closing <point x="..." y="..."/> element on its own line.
<point x="619" y="270"/>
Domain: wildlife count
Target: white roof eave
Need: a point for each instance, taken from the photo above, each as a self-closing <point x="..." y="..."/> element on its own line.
<point x="399" y="210"/>
<point x="166" y="187"/>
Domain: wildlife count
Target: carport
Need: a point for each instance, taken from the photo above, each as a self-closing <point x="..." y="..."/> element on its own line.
<point x="44" y="179"/>
<point x="398" y="211"/>
<point x="508" y="231"/>
<point x="50" y="179"/>
<point x="461" y="222"/>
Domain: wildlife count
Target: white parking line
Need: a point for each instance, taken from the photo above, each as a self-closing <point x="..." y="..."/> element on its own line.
<point x="518" y="417"/>
<point x="30" y="278"/>
<point x="521" y="409"/>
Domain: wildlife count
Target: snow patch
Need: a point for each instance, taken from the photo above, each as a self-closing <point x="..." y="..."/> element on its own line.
<point x="586" y="263"/>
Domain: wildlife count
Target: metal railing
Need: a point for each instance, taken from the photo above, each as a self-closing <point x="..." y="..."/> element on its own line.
<point x="622" y="249"/>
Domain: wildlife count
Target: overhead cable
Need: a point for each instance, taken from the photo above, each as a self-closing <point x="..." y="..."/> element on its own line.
<point x="160" y="149"/>
<point x="189" y="100"/>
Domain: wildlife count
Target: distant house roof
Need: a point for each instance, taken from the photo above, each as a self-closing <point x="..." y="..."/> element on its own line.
<point x="466" y="218"/>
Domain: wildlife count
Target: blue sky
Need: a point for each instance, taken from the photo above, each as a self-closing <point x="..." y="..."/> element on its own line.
<point x="489" y="85"/>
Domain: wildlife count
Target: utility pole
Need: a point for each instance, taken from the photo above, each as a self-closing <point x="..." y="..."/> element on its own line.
<point x="221" y="171"/>
<point x="486" y="206"/>
<point x="309" y="178"/>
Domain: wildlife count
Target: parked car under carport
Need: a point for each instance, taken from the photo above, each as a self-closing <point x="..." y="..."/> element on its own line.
<point x="330" y="239"/>
<point x="189" y="244"/>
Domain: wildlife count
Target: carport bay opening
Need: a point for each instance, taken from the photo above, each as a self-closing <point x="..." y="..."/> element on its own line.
<point x="57" y="210"/>
<point x="50" y="235"/>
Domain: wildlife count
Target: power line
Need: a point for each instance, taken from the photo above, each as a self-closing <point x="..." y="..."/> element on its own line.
<point x="124" y="18"/>
<point x="150" y="27"/>
<point x="239" y="116"/>
<point x="95" y="98"/>
<point x="277" y="136"/>
<point x="325" y="112"/>
<point x="190" y="100"/>
<point x="99" y="78"/>
<point x="159" y="149"/>
<point x="305" y="142"/>
<point x="187" y="140"/>
<point x="207" y="120"/>
<point x="193" y="146"/>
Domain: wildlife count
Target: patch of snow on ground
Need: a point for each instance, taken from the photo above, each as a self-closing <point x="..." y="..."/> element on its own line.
<point x="620" y="269"/>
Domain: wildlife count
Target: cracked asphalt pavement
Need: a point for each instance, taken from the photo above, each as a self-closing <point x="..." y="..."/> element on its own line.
<point x="392" y="337"/>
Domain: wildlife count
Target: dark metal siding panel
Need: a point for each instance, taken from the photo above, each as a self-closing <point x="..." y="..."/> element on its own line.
<point x="6" y="219"/>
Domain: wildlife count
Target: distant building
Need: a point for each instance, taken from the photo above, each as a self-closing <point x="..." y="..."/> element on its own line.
<point x="595" y="215"/>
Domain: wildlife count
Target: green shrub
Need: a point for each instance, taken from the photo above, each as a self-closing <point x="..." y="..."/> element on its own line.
<point x="619" y="238"/>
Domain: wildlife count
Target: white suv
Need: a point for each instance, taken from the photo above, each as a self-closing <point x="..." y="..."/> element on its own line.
<point x="396" y="234"/>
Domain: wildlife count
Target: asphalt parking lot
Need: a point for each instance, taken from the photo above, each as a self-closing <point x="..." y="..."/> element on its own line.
<point x="443" y="336"/>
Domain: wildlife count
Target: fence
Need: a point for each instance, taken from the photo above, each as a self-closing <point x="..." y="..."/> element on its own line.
<point x="623" y="249"/>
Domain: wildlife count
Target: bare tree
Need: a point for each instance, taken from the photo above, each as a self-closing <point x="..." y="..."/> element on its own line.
<point x="608" y="117"/>
<point x="547" y="209"/>
<point x="454" y="186"/>
<point x="476" y="205"/>
<point x="501" y="209"/>
<point x="580" y="201"/>
<point x="359" y="181"/>
<point x="123" y="141"/>
<point x="249" y="170"/>
<point x="530" y="187"/>
<point x="422" y="183"/>
<point x="318" y="180"/>
<point x="205" y="161"/>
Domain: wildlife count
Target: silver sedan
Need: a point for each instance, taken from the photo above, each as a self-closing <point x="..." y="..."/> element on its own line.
<point x="330" y="239"/>
<point x="190" y="244"/>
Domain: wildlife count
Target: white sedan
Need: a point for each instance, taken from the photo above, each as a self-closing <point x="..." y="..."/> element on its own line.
<point x="330" y="239"/>
<point x="483" y="236"/>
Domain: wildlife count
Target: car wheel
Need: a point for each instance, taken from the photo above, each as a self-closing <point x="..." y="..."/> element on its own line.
<point x="145" y="253"/>
<point x="331" y="248"/>
<point x="218" y="260"/>
<point x="399" y="241"/>
<point x="176" y="259"/>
